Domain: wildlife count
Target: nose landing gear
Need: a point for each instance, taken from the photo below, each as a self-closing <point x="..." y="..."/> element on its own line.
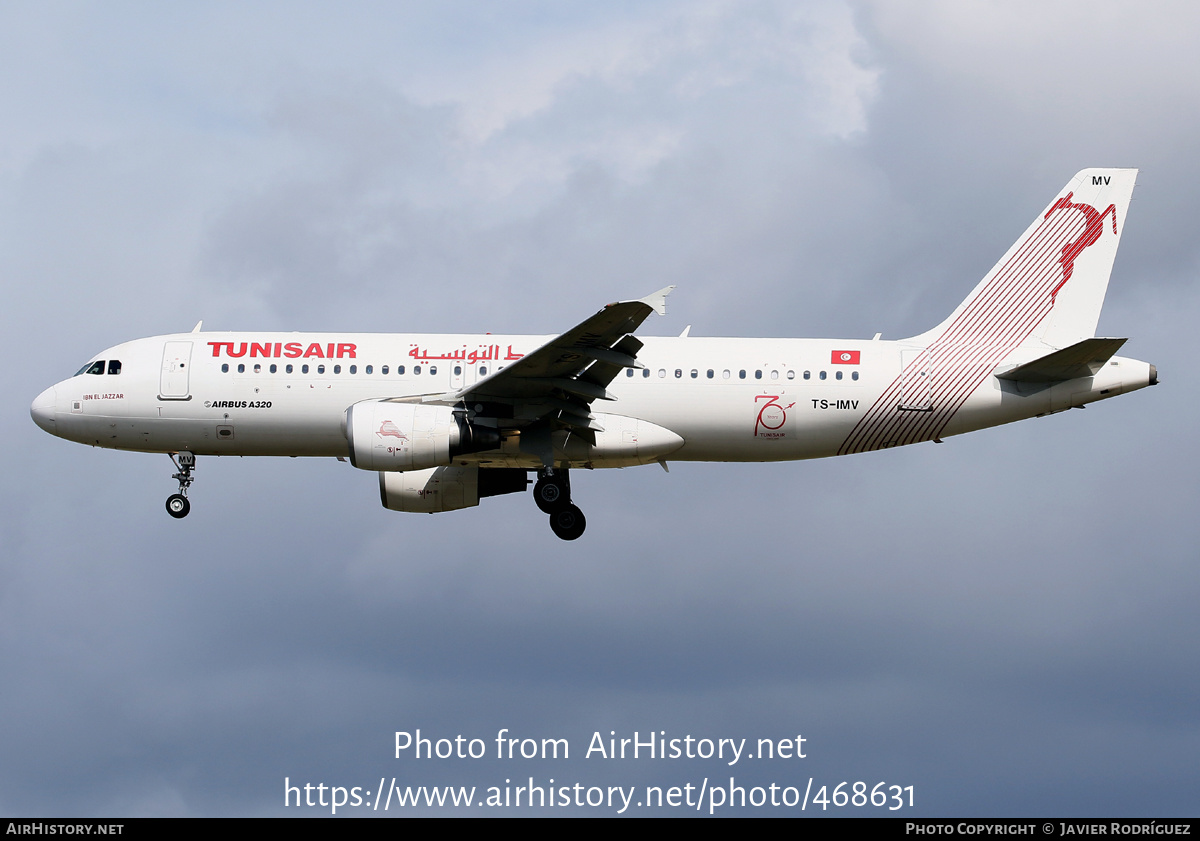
<point x="177" y="503"/>
<point x="552" y="494"/>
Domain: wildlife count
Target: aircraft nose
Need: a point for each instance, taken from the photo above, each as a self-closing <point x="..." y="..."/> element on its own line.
<point x="43" y="408"/>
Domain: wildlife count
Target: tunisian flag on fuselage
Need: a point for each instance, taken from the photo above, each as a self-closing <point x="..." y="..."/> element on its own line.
<point x="844" y="357"/>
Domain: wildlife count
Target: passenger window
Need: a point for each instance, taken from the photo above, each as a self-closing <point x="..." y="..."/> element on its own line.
<point x="400" y="370"/>
<point x="742" y="374"/>
<point x="774" y="375"/>
<point x="678" y="373"/>
<point x="710" y="373"/>
<point x="257" y="368"/>
<point x="695" y="373"/>
<point x="320" y="369"/>
<point x="458" y="370"/>
<point x="416" y="369"/>
<point x="303" y="369"/>
<point x="645" y="373"/>
<point x="758" y="374"/>
<point x="662" y="372"/>
<point x="629" y="372"/>
<point x="808" y="375"/>
<point x="370" y="369"/>
<point x="337" y="369"/>
<point x="114" y="366"/>
<point x="353" y="369"/>
<point x="274" y="368"/>
<point x="225" y="368"/>
<point x="854" y="375"/>
<point x="289" y="368"/>
<point x="838" y="375"/>
<point x="382" y="370"/>
<point x="483" y="370"/>
<point x="432" y="370"/>
<point x="791" y="375"/>
<point x="725" y="374"/>
<point x="241" y="367"/>
<point x="822" y="375"/>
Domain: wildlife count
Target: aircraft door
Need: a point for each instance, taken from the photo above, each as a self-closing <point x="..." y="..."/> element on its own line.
<point x="173" y="382"/>
<point x="916" y="381"/>
<point x="464" y="372"/>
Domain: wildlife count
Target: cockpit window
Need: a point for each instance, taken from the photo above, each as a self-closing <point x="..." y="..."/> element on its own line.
<point x="114" y="366"/>
<point x="92" y="368"/>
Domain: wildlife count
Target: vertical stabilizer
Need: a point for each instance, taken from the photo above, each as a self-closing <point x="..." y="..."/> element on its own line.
<point x="1044" y="294"/>
<point x="1049" y="288"/>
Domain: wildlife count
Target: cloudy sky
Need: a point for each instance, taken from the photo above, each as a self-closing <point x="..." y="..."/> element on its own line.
<point x="1005" y="622"/>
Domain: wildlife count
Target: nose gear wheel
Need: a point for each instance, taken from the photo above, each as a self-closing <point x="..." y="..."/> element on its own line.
<point x="177" y="503"/>
<point x="178" y="506"/>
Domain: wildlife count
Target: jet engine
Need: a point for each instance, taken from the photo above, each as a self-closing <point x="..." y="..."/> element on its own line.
<point x="411" y="436"/>
<point x="447" y="488"/>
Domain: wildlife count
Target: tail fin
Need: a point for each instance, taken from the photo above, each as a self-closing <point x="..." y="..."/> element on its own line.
<point x="1049" y="288"/>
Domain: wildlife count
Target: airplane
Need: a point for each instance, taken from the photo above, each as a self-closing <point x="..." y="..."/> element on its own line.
<point x="448" y="420"/>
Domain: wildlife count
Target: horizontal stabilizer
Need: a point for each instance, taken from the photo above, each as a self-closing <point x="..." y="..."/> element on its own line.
<point x="1082" y="359"/>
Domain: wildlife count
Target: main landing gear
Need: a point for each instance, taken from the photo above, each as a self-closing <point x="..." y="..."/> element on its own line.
<point x="552" y="494"/>
<point x="177" y="503"/>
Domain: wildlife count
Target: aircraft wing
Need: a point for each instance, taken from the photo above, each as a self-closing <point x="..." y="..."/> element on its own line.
<point x="560" y="379"/>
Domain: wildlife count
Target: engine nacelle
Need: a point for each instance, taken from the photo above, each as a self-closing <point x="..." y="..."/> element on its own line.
<point x="430" y="491"/>
<point x="411" y="436"/>
<point x="446" y="488"/>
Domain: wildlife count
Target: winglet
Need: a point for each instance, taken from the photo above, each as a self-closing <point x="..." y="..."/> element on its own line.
<point x="657" y="301"/>
<point x="199" y="324"/>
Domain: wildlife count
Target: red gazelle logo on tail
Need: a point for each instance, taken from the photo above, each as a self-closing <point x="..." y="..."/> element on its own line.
<point x="1091" y="233"/>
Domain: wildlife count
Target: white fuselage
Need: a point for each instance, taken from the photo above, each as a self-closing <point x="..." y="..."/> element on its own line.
<point x="728" y="399"/>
